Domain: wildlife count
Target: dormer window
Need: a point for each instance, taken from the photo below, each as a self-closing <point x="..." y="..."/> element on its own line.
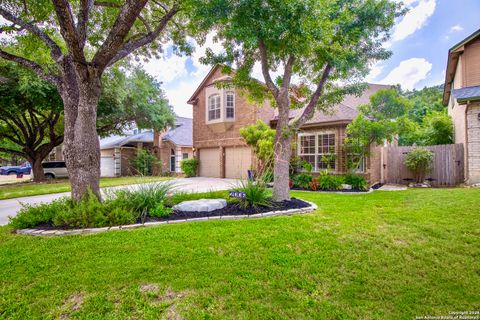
<point x="214" y="107"/>
<point x="230" y="105"/>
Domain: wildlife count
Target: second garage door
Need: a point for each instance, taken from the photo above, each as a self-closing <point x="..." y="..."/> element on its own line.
<point x="210" y="162"/>
<point x="238" y="161"/>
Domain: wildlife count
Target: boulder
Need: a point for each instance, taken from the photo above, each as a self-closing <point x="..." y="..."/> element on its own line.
<point x="202" y="205"/>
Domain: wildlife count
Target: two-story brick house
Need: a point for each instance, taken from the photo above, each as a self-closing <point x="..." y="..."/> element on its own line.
<point x="462" y="95"/>
<point x="219" y="113"/>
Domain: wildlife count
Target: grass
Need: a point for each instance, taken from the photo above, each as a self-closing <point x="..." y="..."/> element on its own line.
<point x="384" y="255"/>
<point x="25" y="189"/>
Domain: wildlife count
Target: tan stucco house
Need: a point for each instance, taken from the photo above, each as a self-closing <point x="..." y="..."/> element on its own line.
<point x="219" y="113"/>
<point x="462" y="95"/>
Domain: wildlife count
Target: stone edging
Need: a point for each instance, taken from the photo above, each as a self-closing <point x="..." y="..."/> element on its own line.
<point x="61" y="232"/>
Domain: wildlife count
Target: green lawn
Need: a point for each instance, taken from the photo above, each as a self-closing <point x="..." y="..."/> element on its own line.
<point x="25" y="189"/>
<point x="384" y="255"/>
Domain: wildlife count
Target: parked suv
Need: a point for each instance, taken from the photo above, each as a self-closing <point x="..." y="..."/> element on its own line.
<point x="55" y="169"/>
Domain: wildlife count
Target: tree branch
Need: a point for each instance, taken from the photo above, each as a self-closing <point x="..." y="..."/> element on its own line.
<point x="68" y="30"/>
<point x="35" y="67"/>
<point x="131" y="46"/>
<point x="55" y="50"/>
<point x="265" y="69"/>
<point x="287" y="74"/>
<point x="308" y="111"/>
<point x="7" y="150"/>
<point x="120" y="29"/>
<point x="82" y="20"/>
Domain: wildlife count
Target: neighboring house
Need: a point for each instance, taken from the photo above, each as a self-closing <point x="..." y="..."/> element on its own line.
<point x="170" y="146"/>
<point x="117" y="151"/>
<point x="462" y="95"/>
<point x="174" y="145"/>
<point x="218" y="114"/>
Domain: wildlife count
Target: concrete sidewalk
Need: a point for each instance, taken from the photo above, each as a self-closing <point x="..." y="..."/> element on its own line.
<point x="10" y="207"/>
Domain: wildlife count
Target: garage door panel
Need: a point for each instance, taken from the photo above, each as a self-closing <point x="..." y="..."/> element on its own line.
<point x="210" y="162"/>
<point x="107" y="167"/>
<point x="238" y="161"/>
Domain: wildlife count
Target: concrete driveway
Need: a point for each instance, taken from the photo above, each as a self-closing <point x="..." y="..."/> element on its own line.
<point x="10" y="207"/>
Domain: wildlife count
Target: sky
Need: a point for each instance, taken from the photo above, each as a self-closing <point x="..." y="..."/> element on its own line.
<point x="420" y="42"/>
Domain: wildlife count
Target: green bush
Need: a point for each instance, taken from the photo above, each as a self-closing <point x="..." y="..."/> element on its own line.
<point x="302" y="180"/>
<point x="30" y="216"/>
<point x="160" y="211"/>
<point x="357" y="182"/>
<point x="330" y="182"/>
<point x="143" y="198"/>
<point x="143" y="162"/>
<point x="419" y="161"/>
<point x="189" y="167"/>
<point x="256" y="194"/>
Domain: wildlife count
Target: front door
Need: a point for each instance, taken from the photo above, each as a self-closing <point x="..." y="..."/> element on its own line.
<point x="172" y="160"/>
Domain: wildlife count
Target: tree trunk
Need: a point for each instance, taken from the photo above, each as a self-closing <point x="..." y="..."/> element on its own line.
<point x="82" y="147"/>
<point x="282" y="151"/>
<point x="37" y="170"/>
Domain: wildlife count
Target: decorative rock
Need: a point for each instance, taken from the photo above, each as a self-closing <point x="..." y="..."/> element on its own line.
<point x="346" y="186"/>
<point x="201" y="205"/>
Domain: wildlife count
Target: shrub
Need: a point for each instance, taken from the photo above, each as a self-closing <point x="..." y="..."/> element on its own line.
<point x="160" y="211"/>
<point x="189" y="167"/>
<point x="143" y="162"/>
<point x="330" y="182"/>
<point x="31" y="216"/>
<point x="302" y="180"/>
<point x="143" y="198"/>
<point x="419" y="161"/>
<point x="314" y="185"/>
<point x="356" y="181"/>
<point x="256" y="194"/>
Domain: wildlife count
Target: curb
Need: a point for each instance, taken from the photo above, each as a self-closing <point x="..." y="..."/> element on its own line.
<point x="62" y="232"/>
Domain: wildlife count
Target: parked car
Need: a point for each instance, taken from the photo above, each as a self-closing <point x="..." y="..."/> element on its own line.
<point x="15" y="170"/>
<point x="55" y="169"/>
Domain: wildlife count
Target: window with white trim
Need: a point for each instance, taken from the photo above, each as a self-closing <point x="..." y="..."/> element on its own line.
<point x="318" y="149"/>
<point x="326" y="157"/>
<point x="307" y="149"/>
<point x="230" y="105"/>
<point x="214" y="107"/>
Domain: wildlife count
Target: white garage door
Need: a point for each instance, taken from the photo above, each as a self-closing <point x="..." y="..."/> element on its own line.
<point x="210" y="162"/>
<point x="107" y="167"/>
<point x="238" y="161"/>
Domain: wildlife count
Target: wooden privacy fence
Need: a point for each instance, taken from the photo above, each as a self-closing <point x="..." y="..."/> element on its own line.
<point x="448" y="165"/>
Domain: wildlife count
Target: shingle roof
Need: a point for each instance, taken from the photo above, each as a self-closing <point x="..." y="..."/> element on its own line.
<point x="181" y="135"/>
<point x="121" y="140"/>
<point x="467" y="94"/>
<point x="344" y="111"/>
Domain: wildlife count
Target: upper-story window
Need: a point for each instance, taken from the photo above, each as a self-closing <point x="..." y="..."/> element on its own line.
<point x="214" y="107"/>
<point x="230" y="105"/>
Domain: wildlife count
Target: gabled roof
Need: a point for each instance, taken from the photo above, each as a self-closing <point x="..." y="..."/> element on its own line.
<point x="204" y="81"/>
<point x="116" y="141"/>
<point x="452" y="61"/>
<point x="345" y="111"/>
<point x="181" y="135"/>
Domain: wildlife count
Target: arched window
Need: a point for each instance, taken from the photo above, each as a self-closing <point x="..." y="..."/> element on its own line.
<point x="214" y="107"/>
<point x="230" y="105"/>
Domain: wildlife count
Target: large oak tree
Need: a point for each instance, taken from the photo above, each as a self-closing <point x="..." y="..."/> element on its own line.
<point x="83" y="38"/>
<point x="326" y="46"/>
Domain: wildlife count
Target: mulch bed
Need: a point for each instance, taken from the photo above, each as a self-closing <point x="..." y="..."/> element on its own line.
<point x="229" y="210"/>
<point x="235" y="210"/>
<point x="342" y="190"/>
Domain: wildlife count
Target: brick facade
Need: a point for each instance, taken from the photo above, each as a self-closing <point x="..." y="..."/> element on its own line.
<point x="473" y="143"/>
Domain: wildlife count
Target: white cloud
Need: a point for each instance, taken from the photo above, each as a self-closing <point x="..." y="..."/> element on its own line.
<point x="199" y="52"/>
<point x="415" y="19"/>
<point x="456" y="28"/>
<point x="375" y="71"/>
<point x="408" y="73"/>
<point x="168" y="68"/>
